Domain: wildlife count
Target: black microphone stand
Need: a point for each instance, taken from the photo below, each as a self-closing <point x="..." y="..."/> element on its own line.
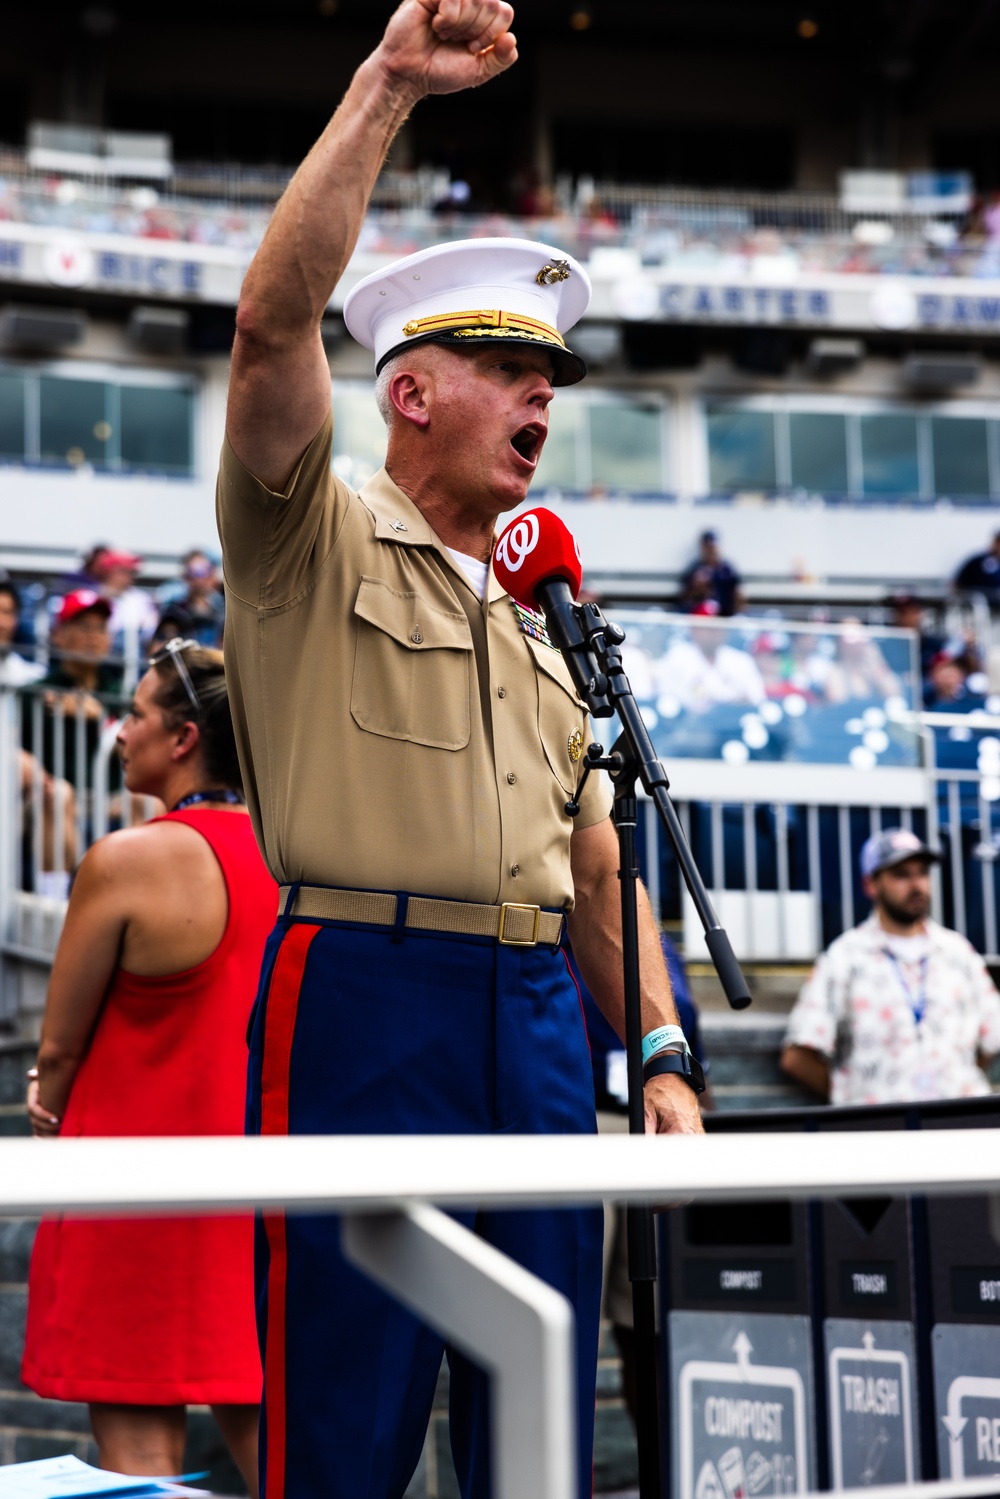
<point x="591" y="647"/>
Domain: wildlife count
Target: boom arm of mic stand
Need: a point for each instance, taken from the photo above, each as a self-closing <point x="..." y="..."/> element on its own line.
<point x="604" y="639"/>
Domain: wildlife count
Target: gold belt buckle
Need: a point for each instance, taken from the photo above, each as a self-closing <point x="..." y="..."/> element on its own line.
<point x="532" y="941"/>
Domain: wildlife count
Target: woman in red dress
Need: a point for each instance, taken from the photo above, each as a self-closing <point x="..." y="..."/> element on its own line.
<point x="144" y="1034"/>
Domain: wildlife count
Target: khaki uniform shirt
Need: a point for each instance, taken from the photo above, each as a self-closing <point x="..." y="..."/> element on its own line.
<point x="395" y="731"/>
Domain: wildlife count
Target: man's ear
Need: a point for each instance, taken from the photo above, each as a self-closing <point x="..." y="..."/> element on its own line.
<point x="188" y="736"/>
<point x="869" y="886"/>
<point x="408" y="394"/>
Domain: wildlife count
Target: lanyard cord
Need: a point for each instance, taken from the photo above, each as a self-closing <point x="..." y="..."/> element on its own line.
<point x="918" y="1001"/>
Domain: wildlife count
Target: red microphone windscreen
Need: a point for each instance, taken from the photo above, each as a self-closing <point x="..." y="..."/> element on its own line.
<point x="536" y="546"/>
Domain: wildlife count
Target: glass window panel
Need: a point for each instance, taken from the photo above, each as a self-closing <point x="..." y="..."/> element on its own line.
<point x="11" y="416"/>
<point x="740" y="449"/>
<point x="359" y="436"/>
<point x="889" y="454"/>
<point x="73" y="421"/>
<point x="156" y="428"/>
<point x="558" y="467"/>
<point x="961" y="464"/>
<point x="818" y="442"/>
<point x="626" y="446"/>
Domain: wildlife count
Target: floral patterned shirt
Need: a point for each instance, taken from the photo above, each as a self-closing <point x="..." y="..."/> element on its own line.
<point x="898" y="1024"/>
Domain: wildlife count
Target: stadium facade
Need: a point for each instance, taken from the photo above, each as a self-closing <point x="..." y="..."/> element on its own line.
<point x="799" y="358"/>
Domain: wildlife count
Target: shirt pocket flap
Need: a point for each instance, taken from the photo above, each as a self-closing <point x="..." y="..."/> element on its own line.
<point x="552" y="664"/>
<point x="410" y="620"/>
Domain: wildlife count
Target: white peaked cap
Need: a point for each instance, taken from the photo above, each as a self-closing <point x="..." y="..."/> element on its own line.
<point x="471" y="290"/>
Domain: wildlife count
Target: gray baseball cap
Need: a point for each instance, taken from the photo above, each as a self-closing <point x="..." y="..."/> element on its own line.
<point x="894" y="846"/>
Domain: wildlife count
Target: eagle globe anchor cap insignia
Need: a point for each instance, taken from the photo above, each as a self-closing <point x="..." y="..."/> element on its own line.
<point x="553" y="271"/>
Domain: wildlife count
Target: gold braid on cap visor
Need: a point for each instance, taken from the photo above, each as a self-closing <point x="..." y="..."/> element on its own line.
<point x="484" y="323"/>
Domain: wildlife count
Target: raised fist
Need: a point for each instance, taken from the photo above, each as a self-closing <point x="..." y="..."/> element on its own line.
<point x="442" y="46"/>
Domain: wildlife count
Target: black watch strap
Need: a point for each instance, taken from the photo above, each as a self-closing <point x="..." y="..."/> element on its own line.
<point x="682" y="1062"/>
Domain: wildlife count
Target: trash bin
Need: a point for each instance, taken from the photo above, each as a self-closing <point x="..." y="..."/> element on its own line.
<point x="735" y="1293"/>
<point x="963" y="1238"/>
<point x="868" y="1380"/>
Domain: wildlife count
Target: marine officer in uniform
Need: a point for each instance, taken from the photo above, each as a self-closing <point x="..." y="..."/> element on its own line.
<point x="409" y="741"/>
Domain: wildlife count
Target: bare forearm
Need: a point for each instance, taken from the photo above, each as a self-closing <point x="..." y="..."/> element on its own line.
<point x="596" y="934"/>
<point x="56" y="1073"/>
<point x="316" y="225"/>
<point x="808" y="1067"/>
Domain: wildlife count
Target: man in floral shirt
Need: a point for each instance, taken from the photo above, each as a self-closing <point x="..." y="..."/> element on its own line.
<point x="899" y="1009"/>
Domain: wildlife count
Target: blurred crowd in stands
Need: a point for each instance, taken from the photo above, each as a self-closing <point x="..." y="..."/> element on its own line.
<point x="77" y="647"/>
<point x="956" y="673"/>
<point x="667" y="227"/>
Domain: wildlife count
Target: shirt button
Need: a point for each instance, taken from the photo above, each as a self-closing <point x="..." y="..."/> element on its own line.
<point x="515" y="870"/>
<point x="511" y="778"/>
<point x="501" y="692"/>
<point x="416" y="637"/>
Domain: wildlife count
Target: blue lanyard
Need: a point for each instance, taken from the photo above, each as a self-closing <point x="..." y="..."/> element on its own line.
<point x="224" y="795"/>
<point x="918" y="1001"/>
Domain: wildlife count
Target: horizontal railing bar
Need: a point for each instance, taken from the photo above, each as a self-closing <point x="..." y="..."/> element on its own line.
<point x="354" y="1173"/>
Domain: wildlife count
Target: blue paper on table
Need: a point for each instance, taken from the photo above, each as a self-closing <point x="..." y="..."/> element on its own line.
<point x="54" y="1477"/>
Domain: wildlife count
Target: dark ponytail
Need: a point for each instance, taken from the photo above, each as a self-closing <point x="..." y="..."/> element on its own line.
<point x="214" y="720"/>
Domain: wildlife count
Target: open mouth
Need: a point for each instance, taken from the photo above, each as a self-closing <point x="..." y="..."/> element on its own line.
<point x="527" y="442"/>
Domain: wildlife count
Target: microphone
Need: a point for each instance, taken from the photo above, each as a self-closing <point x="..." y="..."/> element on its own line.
<point x="536" y="559"/>
<point x="537" y="549"/>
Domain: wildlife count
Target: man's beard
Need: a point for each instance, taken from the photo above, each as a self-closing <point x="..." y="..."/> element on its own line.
<point x="913" y="912"/>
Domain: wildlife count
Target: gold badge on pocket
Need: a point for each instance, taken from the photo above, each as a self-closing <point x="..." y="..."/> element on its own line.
<point x="575" y="745"/>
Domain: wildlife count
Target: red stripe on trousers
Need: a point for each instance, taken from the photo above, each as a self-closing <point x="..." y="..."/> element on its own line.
<point x="279" y="1029"/>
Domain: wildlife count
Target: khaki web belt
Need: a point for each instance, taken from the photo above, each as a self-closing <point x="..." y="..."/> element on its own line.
<point x="510" y="924"/>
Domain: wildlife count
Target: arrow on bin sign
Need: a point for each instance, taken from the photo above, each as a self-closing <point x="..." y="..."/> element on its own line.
<point x="954" y="1426"/>
<point x="743" y="1349"/>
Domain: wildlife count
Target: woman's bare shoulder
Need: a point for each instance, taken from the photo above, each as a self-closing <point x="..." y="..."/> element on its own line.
<point x="143" y="851"/>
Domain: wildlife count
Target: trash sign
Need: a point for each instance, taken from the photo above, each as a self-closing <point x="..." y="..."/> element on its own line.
<point x="967" y="1399"/>
<point x="872" y="1418"/>
<point x="742" y="1406"/>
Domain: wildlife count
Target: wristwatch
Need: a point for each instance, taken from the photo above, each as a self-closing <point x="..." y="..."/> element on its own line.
<point x="681" y="1062"/>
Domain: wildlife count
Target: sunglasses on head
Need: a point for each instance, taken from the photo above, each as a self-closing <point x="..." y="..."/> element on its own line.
<point x="172" y="652"/>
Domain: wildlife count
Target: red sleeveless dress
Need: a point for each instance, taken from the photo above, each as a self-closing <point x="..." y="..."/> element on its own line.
<point x="161" y="1311"/>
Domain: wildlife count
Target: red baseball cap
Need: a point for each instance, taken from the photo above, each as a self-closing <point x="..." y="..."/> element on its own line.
<point x="130" y="560"/>
<point x="78" y="602"/>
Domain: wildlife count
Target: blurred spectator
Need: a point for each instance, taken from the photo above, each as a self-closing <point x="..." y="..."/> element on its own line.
<point x="859" y="669"/>
<point x="907" y="613"/>
<point x="89" y="574"/>
<point x="981" y="573"/>
<point x="898" y="1009"/>
<point x="705" y="670"/>
<point x="199" y="593"/>
<point x="953" y="680"/>
<point x="133" y="610"/>
<point x="79" y="670"/>
<point x="793" y="663"/>
<point x="175" y="623"/>
<point x="711" y="579"/>
<point x="48" y="805"/>
<point x="15" y="671"/>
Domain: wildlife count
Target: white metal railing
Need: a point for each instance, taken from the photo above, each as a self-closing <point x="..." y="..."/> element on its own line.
<point x="391" y="1191"/>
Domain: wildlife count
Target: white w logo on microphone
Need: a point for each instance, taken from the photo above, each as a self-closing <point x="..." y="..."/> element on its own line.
<point x="518" y="542"/>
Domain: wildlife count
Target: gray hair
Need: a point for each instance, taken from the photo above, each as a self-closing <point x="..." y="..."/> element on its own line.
<point x="383" y="401"/>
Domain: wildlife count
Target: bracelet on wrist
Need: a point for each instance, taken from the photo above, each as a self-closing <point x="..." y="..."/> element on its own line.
<point x="664" y="1037"/>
